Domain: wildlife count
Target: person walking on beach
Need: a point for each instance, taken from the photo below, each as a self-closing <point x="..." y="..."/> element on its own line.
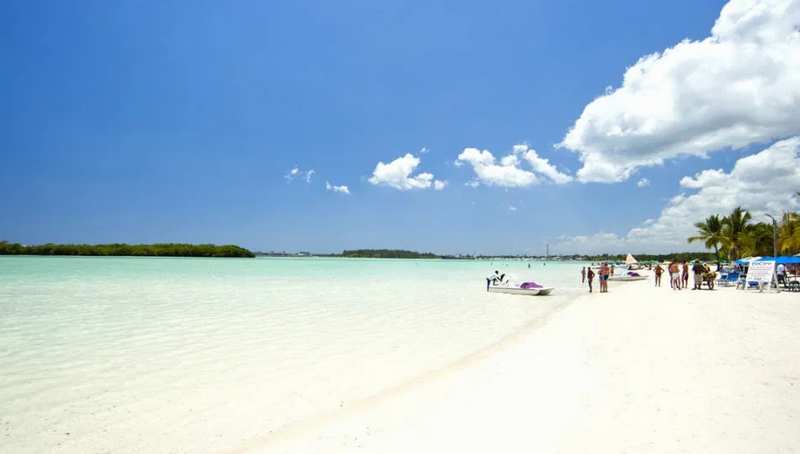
<point x="590" y="278"/>
<point x="658" y="272"/>
<point x="583" y="275"/>
<point x="698" y="270"/>
<point x="685" y="275"/>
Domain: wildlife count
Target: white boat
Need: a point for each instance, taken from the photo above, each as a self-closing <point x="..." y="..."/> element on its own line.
<point x="520" y="291"/>
<point x="623" y="278"/>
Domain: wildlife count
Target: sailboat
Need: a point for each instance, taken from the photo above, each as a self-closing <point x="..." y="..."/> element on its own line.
<point x="631" y="265"/>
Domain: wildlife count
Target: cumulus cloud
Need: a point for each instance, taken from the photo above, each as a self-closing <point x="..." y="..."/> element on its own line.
<point x="297" y="173"/>
<point x="643" y="183"/>
<point x="766" y="182"/>
<point x="508" y="171"/>
<point x="397" y="174"/>
<point x="739" y="86"/>
<point x="341" y="189"/>
<point x="541" y="165"/>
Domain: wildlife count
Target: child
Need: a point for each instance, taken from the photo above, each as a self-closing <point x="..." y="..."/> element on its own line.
<point x="590" y="278"/>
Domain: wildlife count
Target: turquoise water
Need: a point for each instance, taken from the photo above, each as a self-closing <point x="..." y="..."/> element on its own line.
<point x="164" y="354"/>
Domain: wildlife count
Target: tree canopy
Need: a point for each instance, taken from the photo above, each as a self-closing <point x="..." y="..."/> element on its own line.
<point x="121" y="249"/>
<point x="389" y="253"/>
<point x="735" y="236"/>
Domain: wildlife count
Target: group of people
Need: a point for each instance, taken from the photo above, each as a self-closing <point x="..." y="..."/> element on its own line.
<point x="679" y="275"/>
<point x="603" y="272"/>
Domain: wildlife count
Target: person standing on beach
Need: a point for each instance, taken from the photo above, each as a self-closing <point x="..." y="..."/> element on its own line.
<point x="590" y="278"/>
<point x="685" y="275"/>
<point x="669" y="271"/>
<point x="780" y="273"/>
<point x="583" y="275"/>
<point x="675" y="276"/>
<point x="604" y="271"/>
<point x="698" y="270"/>
<point x="658" y="272"/>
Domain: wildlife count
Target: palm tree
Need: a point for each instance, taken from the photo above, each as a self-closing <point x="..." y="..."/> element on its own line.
<point x="759" y="240"/>
<point x="710" y="232"/>
<point x="789" y="233"/>
<point x="735" y="231"/>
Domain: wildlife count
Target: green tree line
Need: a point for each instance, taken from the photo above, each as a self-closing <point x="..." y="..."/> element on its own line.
<point x="735" y="236"/>
<point x="121" y="249"/>
<point x="388" y="254"/>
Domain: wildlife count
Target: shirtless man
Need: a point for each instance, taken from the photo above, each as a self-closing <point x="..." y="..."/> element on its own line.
<point x="658" y="271"/>
<point x="604" y="273"/>
<point x="675" y="275"/>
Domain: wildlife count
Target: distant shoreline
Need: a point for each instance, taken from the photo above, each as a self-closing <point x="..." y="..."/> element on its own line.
<point x="404" y="254"/>
<point x="127" y="250"/>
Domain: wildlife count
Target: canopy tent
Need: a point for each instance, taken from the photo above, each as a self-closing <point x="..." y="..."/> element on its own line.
<point x="630" y="260"/>
<point x="747" y="260"/>
<point x="785" y="259"/>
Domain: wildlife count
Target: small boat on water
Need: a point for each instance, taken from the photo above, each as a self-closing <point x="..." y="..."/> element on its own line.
<point x="629" y="276"/>
<point x="520" y="291"/>
<point x="497" y="283"/>
<point x="624" y="278"/>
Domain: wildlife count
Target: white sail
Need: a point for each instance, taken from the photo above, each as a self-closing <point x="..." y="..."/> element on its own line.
<point x="630" y="260"/>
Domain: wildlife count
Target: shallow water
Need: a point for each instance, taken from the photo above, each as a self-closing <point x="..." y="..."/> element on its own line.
<point x="179" y="354"/>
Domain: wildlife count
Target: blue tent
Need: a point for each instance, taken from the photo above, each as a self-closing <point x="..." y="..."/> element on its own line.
<point x="785" y="259"/>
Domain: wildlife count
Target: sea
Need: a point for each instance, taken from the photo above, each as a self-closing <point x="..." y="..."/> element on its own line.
<point x="123" y="354"/>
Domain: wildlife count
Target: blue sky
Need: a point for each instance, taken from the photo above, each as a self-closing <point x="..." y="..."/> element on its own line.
<point x="179" y="121"/>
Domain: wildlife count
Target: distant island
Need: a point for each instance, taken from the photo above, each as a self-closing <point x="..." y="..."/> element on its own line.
<point x="389" y="254"/>
<point x="121" y="249"/>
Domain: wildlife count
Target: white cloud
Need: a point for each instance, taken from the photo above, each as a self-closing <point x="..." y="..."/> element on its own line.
<point x="739" y="86"/>
<point x="765" y="182"/>
<point x="541" y="165"/>
<point x="397" y="174"/>
<point x="512" y="208"/>
<point x="508" y="172"/>
<point x="342" y="189"/>
<point x="643" y="183"/>
<point x="296" y="172"/>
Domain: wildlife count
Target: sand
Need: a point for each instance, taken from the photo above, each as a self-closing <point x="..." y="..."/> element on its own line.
<point x="640" y="369"/>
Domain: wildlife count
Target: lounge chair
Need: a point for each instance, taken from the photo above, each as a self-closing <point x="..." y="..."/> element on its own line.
<point x="728" y="279"/>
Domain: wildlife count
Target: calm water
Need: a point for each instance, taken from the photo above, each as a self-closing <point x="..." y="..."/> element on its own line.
<point x="169" y="354"/>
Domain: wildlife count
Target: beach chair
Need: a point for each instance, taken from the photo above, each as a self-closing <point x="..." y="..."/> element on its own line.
<point x="728" y="279"/>
<point x="744" y="284"/>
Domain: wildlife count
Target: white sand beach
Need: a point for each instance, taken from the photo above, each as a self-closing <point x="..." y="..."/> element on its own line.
<point x="639" y="369"/>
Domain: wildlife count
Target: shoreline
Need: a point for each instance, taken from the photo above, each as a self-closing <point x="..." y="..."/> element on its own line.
<point x="639" y="369"/>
